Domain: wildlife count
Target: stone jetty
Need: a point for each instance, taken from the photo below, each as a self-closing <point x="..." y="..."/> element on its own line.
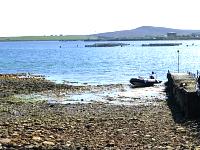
<point x="182" y="89"/>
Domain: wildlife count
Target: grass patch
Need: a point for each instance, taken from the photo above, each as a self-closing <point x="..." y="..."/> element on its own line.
<point x="20" y="100"/>
<point x="49" y="38"/>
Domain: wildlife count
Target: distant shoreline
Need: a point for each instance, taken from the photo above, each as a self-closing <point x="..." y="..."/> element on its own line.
<point x="48" y="38"/>
<point x="87" y="38"/>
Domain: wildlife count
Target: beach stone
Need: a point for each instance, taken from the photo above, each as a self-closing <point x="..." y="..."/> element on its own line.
<point x="92" y="118"/>
<point x="111" y="143"/>
<point x="180" y="130"/>
<point x="169" y="148"/>
<point x="147" y="136"/>
<point x="51" y="136"/>
<point x="36" y="138"/>
<point x="49" y="143"/>
<point x="149" y="147"/>
<point x="135" y="135"/>
<point x="6" y="124"/>
<point x="68" y="144"/>
<point x="119" y="130"/>
<point x="15" y="134"/>
<point x="88" y="126"/>
<point x="29" y="146"/>
<point x="5" y="141"/>
<point x="197" y="148"/>
<point x="78" y="120"/>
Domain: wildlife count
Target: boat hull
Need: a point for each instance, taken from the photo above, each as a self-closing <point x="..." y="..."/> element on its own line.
<point x="143" y="82"/>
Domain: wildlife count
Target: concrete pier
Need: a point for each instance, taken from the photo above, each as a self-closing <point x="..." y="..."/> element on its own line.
<point x="182" y="89"/>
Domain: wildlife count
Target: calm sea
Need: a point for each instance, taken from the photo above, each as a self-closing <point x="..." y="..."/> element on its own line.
<point x="72" y="61"/>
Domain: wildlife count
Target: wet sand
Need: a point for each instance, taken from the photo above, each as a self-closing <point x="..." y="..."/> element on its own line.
<point x="26" y="124"/>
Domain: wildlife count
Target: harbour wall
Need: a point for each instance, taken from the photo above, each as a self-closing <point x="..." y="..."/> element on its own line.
<point x="182" y="90"/>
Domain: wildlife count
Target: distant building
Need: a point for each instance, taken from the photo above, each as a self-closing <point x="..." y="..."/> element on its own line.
<point x="171" y="35"/>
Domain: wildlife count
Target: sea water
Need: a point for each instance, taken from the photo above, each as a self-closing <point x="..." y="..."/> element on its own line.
<point x="72" y="62"/>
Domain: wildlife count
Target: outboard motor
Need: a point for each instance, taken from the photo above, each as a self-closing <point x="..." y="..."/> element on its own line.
<point x="198" y="86"/>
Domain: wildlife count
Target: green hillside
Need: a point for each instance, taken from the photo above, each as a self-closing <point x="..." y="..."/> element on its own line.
<point x="49" y="38"/>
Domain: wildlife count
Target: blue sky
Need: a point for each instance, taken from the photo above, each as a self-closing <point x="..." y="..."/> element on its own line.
<point x="67" y="17"/>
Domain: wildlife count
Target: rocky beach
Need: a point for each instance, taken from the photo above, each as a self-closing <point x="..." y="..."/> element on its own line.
<point x="115" y="122"/>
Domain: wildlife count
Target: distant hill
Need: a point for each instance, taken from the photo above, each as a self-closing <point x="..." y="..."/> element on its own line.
<point x="145" y="31"/>
<point x="141" y="33"/>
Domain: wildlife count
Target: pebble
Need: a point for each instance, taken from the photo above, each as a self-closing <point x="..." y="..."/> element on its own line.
<point x="197" y="148"/>
<point x="29" y="146"/>
<point x="169" y="148"/>
<point x="119" y="130"/>
<point x="68" y="144"/>
<point x="111" y="143"/>
<point x="15" y="134"/>
<point x="36" y="138"/>
<point x="5" y="141"/>
<point x="51" y="136"/>
<point x="147" y="136"/>
<point x="180" y="130"/>
<point x="78" y="120"/>
<point x="48" y="143"/>
<point x="135" y="135"/>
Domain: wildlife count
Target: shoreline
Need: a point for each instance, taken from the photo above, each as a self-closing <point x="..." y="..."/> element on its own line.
<point x="97" y="125"/>
<point x="86" y="38"/>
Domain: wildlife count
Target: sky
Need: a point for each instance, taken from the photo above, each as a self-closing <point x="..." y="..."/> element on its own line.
<point x="82" y="17"/>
